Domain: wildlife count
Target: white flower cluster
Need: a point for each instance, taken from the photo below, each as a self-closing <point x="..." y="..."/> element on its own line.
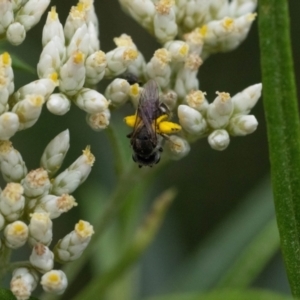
<point x="73" y="52"/>
<point x="204" y="27"/>
<point x="29" y="203"/>
<point x="18" y="16"/>
<point x="222" y="24"/>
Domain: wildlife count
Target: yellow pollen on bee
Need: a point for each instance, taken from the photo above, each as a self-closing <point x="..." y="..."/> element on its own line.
<point x="166" y="127"/>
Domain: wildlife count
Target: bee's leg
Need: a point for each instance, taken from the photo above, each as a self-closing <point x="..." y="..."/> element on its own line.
<point x="166" y="137"/>
<point x="129" y="135"/>
<point x="160" y="149"/>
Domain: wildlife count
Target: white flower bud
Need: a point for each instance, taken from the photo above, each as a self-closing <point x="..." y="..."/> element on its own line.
<point x="98" y="121"/>
<point x="15" y="234"/>
<point x="186" y="78"/>
<point x="55" y="153"/>
<point x="135" y="94"/>
<point x="29" y="110"/>
<point x="53" y="28"/>
<point x="54" y="282"/>
<point x="55" y="205"/>
<point x="16" y="33"/>
<point x="42" y="87"/>
<point x="2" y="224"/>
<point x="90" y="101"/>
<point x="75" y="19"/>
<point x="30" y="14"/>
<point x="164" y="21"/>
<point x="179" y="50"/>
<point x="191" y="120"/>
<point x="242" y="125"/>
<point x="118" y="60"/>
<point x="23" y="283"/>
<point x="40" y="229"/>
<point x="118" y="91"/>
<point x="170" y="99"/>
<point x="220" y="111"/>
<point x="7" y="15"/>
<point x="42" y="258"/>
<point x="95" y="66"/>
<point x="36" y="183"/>
<point x="226" y="34"/>
<point x="72" y="74"/>
<point x="12" y="202"/>
<point x="195" y="41"/>
<point x="68" y="181"/>
<point x="73" y="244"/>
<point x="219" y="139"/>
<point x="9" y="125"/>
<point x="196" y="99"/>
<point x="17" y="4"/>
<point x="244" y="101"/>
<point x="7" y="85"/>
<point x="242" y="27"/>
<point x="58" y="104"/>
<point x="177" y="147"/>
<point x="49" y="61"/>
<point x="194" y="13"/>
<point x="94" y="44"/>
<point x="140" y="10"/>
<point x="158" y="67"/>
<point x="12" y="166"/>
<point x="79" y="42"/>
<point x="238" y="8"/>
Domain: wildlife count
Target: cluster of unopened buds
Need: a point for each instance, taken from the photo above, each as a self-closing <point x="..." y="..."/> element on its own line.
<point x="28" y="204"/>
<point x="70" y="66"/>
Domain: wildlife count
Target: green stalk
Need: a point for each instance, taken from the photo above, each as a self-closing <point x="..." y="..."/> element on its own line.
<point x="281" y="110"/>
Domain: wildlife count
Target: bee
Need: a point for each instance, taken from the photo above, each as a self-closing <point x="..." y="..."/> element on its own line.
<point x="149" y="122"/>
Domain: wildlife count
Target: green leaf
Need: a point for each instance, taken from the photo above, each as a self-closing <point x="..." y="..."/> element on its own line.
<point x="227" y="295"/>
<point x="253" y="260"/>
<point x="20" y="64"/>
<point x="237" y="229"/>
<point x="8" y="295"/>
<point x="281" y="110"/>
<point x="142" y="239"/>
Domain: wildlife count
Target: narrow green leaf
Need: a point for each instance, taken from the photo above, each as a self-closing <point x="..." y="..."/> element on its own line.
<point x="253" y="260"/>
<point x="142" y="239"/>
<point x="281" y="110"/>
<point x="227" y="295"/>
<point x="20" y="64"/>
<point x="238" y="229"/>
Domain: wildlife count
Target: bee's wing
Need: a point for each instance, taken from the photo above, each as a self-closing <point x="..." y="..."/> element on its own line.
<point x="148" y="107"/>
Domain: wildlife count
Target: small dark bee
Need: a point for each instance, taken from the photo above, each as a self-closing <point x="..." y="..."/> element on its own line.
<point x="149" y="122"/>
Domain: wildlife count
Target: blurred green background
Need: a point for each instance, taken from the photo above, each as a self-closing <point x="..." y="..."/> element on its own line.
<point x="224" y="198"/>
